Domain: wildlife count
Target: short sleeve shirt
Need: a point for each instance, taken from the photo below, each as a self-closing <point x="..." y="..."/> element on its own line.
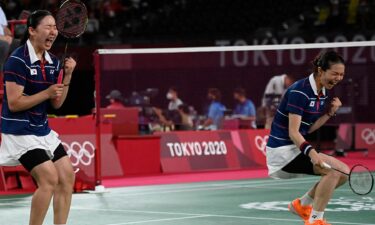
<point x="216" y="113"/>
<point x="302" y="99"/>
<point x="26" y="70"/>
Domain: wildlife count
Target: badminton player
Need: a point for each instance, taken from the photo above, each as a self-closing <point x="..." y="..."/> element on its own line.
<point x="303" y="109"/>
<point x="30" y="76"/>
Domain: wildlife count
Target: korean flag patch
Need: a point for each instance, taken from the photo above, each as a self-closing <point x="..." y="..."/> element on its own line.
<point x="33" y="72"/>
<point x="312" y="103"/>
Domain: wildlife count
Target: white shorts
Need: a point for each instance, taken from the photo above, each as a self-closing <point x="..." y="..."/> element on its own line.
<point x="14" y="146"/>
<point x="278" y="158"/>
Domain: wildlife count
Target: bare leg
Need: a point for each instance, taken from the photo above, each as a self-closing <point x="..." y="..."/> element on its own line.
<point x="323" y="190"/>
<point x="45" y="175"/>
<point x="63" y="193"/>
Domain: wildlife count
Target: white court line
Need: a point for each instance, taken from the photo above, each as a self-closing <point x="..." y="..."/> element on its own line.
<point x="208" y="184"/>
<point x="209" y="188"/>
<point x="212" y="188"/>
<point x="207" y="215"/>
<point x="182" y="187"/>
<point x="159" y="220"/>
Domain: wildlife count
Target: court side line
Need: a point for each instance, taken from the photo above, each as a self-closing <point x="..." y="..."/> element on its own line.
<point x="158" y="220"/>
<point x="207" y="215"/>
<point x="186" y="186"/>
<point x="225" y="187"/>
<point x="210" y="183"/>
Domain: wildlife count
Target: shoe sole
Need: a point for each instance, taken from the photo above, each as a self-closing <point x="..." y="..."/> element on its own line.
<point x="292" y="210"/>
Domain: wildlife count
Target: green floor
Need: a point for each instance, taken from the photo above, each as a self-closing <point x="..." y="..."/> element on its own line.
<point x="250" y="202"/>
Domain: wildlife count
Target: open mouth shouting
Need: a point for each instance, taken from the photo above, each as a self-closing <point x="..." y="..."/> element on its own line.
<point x="49" y="41"/>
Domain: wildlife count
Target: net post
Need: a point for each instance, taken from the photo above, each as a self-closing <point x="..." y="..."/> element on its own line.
<point x="98" y="166"/>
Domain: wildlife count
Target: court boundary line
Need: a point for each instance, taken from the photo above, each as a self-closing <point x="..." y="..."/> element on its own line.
<point x="158" y="220"/>
<point x="207" y="188"/>
<point x="166" y="187"/>
<point x="210" y="215"/>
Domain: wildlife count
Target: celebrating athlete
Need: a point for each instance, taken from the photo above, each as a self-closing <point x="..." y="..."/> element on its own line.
<point x="30" y="76"/>
<point x="304" y="109"/>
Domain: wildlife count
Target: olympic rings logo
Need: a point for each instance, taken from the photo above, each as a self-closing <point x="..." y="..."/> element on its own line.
<point x="80" y="154"/>
<point x="368" y="136"/>
<point x="261" y="142"/>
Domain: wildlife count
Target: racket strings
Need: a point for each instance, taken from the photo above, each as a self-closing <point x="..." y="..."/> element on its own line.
<point x="361" y="180"/>
<point x="71" y="19"/>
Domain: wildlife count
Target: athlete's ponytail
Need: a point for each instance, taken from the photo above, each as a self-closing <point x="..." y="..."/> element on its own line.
<point x="325" y="59"/>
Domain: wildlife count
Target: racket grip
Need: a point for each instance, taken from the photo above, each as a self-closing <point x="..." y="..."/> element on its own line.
<point x="60" y="77"/>
<point x="326" y="165"/>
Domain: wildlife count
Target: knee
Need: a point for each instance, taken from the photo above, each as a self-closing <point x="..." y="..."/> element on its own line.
<point x="66" y="182"/>
<point x="334" y="175"/>
<point x="48" y="182"/>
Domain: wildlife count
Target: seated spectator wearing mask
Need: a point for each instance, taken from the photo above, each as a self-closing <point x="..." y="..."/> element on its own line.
<point x="216" y="110"/>
<point x="245" y="108"/>
<point x="174" y="102"/>
<point x="115" y="99"/>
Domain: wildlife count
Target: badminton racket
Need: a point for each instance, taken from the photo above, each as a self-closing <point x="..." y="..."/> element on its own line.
<point x="71" y="22"/>
<point x="361" y="180"/>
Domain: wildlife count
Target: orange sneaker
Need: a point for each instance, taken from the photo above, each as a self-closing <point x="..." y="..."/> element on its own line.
<point x="317" y="222"/>
<point x="300" y="210"/>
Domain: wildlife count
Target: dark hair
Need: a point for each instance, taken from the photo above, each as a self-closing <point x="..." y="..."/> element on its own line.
<point x="240" y="91"/>
<point x="33" y="21"/>
<point x="325" y="59"/>
<point x="174" y="89"/>
<point x="215" y="92"/>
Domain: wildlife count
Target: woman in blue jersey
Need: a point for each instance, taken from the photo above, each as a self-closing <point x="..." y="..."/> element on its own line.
<point x="30" y="76"/>
<point x="304" y="109"/>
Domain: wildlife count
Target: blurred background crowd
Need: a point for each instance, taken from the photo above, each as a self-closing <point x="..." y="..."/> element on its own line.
<point x="194" y="21"/>
<point x="169" y="23"/>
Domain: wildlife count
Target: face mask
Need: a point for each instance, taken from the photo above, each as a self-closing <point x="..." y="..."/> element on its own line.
<point x="169" y="96"/>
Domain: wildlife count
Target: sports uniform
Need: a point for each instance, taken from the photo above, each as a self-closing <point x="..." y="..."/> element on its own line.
<point x="26" y="133"/>
<point x="284" y="158"/>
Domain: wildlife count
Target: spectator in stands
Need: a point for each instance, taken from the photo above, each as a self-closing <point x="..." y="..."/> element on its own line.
<point x="174" y="101"/>
<point x="115" y="99"/>
<point x="245" y="108"/>
<point x="7" y="42"/>
<point x="275" y="89"/>
<point x="111" y="10"/>
<point x="179" y="119"/>
<point x="186" y="120"/>
<point x="216" y="110"/>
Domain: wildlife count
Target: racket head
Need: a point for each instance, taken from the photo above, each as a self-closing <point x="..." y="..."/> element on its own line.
<point x="71" y="18"/>
<point x="361" y="180"/>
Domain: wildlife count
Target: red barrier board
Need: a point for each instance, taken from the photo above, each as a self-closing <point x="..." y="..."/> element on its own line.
<point x="78" y="138"/>
<point x="213" y="150"/>
<point x="365" y="136"/>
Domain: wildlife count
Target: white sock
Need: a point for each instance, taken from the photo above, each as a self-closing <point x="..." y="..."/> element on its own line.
<point x="306" y="200"/>
<point x="315" y="215"/>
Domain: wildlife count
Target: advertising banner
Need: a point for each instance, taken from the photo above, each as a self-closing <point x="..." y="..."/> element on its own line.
<point x="213" y="150"/>
<point x="365" y="136"/>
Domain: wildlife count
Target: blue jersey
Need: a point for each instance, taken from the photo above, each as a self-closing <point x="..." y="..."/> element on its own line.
<point x="246" y="109"/>
<point x="216" y="113"/>
<point x="302" y="99"/>
<point x="24" y="68"/>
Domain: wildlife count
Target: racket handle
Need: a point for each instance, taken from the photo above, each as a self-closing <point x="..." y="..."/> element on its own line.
<point x="60" y="77"/>
<point x="326" y="165"/>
